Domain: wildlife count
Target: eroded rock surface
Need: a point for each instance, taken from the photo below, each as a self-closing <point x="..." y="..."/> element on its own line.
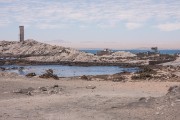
<point x="35" y="51"/>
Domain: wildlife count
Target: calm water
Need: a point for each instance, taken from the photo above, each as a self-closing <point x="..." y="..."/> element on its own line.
<point x="69" y="71"/>
<point x="138" y="51"/>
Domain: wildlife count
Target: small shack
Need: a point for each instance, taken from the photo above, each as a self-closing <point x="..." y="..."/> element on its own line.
<point x="104" y="52"/>
<point x="154" y="49"/>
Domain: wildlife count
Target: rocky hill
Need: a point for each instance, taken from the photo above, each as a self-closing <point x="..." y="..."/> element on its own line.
<point x="36" y="51"/>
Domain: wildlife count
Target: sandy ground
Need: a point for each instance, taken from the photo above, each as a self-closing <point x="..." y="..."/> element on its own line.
<point x="77" y="101"/>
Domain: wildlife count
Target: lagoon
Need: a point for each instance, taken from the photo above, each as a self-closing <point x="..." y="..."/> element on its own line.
<point x="69" y="71"/>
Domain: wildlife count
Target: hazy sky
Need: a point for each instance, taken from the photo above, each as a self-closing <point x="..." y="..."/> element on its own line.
<point x="120" y="24"/>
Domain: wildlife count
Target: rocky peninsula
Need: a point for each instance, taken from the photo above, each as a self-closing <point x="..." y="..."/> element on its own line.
<point x="33" y="52"/>
<point x="37" y="52"/>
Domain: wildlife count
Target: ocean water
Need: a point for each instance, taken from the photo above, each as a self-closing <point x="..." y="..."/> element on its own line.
<point x="70" y="71"/>
<point x="171" y="52"/>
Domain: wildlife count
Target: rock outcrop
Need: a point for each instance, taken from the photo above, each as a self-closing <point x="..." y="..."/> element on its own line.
<point x="35" y="51"/>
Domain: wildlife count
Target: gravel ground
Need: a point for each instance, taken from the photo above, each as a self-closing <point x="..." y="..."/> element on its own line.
<point x="75" y="99"/>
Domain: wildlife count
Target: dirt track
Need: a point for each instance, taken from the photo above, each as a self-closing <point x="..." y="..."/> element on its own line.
<point x="77" y="101"/>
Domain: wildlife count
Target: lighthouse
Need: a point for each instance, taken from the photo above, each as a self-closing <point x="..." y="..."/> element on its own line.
<point x="21" y="33"/>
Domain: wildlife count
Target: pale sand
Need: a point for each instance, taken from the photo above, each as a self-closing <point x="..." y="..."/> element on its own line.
<point x="76" y="102"/>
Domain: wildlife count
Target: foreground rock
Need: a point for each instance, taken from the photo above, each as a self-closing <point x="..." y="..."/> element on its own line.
<point x="49" y="74"/>
<point x="31" y="75"/>
<point x="90" y="87"/>
<point x="41" y="90"/>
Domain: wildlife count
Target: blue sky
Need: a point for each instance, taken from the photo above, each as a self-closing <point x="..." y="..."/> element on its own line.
<point x="119" y="24"/>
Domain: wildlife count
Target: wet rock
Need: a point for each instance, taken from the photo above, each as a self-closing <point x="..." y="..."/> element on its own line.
<point x="46" y="76"/>
<point x="49" y="74"/>
<point x="31" y="75"/>
<point x="49" y="71"/>
<point x="13" y="68"/>
<point x="123" y="73"/>
<point x="21" y="68"/>
<point x="84" y="77"/>
<point x="2" y="69"/>
<point x="55" y="77"/>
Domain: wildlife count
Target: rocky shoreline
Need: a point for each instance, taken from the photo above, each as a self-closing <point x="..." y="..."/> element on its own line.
<point x="31" y="52"/>
<point x="143" y="73"/>
<point x="68" y="63"/>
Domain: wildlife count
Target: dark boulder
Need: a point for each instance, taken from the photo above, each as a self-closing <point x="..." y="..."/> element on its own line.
<point x="21" y="68"/>
<point x="2" y="69"/>
<point x="49" y="74"/>
<point x="43" y="89"/>
<point x="55" y="86"/>
<point x="31" y="75"/>
<point x="84" y="77"/>
<point x="49" y="71"/>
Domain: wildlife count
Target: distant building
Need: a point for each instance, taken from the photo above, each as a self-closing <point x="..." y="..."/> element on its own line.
<point x="21" y="33"/>
<point x="154" y="49"/>
<point x="104" y="52"/>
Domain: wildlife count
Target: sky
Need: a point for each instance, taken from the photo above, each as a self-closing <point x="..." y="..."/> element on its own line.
<point x="115" y="24"/>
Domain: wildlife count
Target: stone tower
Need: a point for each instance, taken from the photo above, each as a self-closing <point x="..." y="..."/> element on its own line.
<point x="21" y="34"/>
